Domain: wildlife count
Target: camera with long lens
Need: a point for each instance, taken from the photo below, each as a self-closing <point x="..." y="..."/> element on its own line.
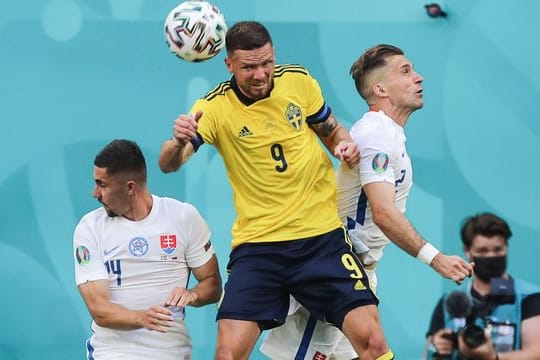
<point x="473" y="335"/>
<point x="501" y="291"/>
<point x="460" y="310"/>
<point x="459" y="307"/>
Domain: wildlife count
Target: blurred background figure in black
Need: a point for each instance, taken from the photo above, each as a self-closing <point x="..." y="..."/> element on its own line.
<point x="495" y="316"/>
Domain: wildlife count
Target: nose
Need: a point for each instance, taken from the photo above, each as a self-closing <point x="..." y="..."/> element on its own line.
<point x="259" y="73"/>
<point x="418" y="78"/>
<point x="95" y="193"/>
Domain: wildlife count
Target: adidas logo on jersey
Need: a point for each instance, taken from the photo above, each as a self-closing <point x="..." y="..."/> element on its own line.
<point x="244" y="132"/>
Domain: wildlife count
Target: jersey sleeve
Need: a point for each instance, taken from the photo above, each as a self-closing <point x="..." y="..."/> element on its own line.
<point x="87" y="257"/>
<point x="375" y="144"/>
<point x="317" y="110"/>
<point x="199" y="249"/>
<point x="530" y="306"/>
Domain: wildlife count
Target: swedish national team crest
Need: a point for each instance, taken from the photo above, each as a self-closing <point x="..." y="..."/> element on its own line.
<point x="168" y="243"/>
<point x="294" y="116"/>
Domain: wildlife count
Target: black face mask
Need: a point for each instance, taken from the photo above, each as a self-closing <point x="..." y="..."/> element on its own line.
<point x="486" y="268"/>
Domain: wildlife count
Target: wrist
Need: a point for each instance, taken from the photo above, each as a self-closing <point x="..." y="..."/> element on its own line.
<point x="139" y="322"/>
<point x="177" y="143"/>
<point x="427" y="253"/>
<point x="194" y="296"/>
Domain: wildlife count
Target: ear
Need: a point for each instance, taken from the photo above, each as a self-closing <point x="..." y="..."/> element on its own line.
<point x="131" y="186"/>
<point x="228" y="63"/>
<point x="380" y="90"/>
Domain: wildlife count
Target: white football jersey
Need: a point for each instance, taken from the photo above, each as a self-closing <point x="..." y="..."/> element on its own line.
<point x="383" y="158"/>
<point x="143" y="261"/>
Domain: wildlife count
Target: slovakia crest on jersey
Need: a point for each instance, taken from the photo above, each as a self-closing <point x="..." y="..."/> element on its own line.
<point x="168" y="243"/>
<point x="294" y="116"/>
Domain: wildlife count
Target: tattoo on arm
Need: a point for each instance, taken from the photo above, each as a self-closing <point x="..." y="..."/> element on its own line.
<point x="325" y="128"/>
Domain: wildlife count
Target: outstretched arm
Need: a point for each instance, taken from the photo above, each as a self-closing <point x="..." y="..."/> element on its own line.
<point x="337" y="140"/>
<point x="178" y="150"/>
<point x="173" y="155"/>
<point x="399" y="230"/>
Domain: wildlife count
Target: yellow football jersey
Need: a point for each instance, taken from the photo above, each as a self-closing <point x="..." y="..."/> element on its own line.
<point x="283" y="181"/>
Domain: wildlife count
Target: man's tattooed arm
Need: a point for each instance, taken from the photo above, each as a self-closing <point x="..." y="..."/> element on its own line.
<point x="331" y="133"/>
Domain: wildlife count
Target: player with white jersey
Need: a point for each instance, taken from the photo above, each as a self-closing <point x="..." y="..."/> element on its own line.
<point x="133" y="259"/>
<point x="173" y="238"/>
<point x="384" y="160"/>
<point x="371" y="198"/>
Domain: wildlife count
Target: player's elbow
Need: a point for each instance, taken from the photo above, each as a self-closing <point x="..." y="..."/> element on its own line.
<point x="382" y="215"/>
<point x="101" y="321"/>
<point x="216" y="291"/>
<point x="166" y="165"/>
<point x="101" y="314"/>
<point x="100" y="318"/>
<point x="216" y="296"/>
<point x="167" y="168"/>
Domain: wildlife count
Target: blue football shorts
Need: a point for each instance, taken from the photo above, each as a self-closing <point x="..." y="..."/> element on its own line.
<point x="321" y="272"/>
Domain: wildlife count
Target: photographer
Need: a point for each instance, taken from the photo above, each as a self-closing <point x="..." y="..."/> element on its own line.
<point x="499" y="316"/>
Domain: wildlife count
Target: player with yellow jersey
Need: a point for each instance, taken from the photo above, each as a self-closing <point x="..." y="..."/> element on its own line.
<point x="266" y="122"/>
<point x="269" y="150"/>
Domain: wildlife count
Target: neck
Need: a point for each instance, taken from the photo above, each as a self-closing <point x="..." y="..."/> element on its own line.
<point x="480" y="286"/>
<point x="141" y="207"/>
<point x="483" y="287"/>
<point x="400" y="116"/>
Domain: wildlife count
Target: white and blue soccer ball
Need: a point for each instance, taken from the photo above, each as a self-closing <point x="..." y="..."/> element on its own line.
<point x="195" y="30"/>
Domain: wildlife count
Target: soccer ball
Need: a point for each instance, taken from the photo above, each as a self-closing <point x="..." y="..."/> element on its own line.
<point x="195" y="30"/>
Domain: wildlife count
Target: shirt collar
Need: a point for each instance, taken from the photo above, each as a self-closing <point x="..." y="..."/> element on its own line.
<point x="243" y="98"/>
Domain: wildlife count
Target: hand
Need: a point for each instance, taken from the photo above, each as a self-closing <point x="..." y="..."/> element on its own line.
<point x="452" y="267"/>
<point x="347" y="152"/>
<point x="180" y="296"/>
<point x="486" y="351"/>
<point x="185" y="128"/>
<point x="444" y="341"/>
<point x="156" y="318"/>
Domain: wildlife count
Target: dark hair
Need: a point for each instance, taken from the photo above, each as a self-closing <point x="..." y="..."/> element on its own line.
<point x="373" y="58"/>
<point x="246" y="35"/>
<point x="122" y="157"/>
<point x="485" y="224"/>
